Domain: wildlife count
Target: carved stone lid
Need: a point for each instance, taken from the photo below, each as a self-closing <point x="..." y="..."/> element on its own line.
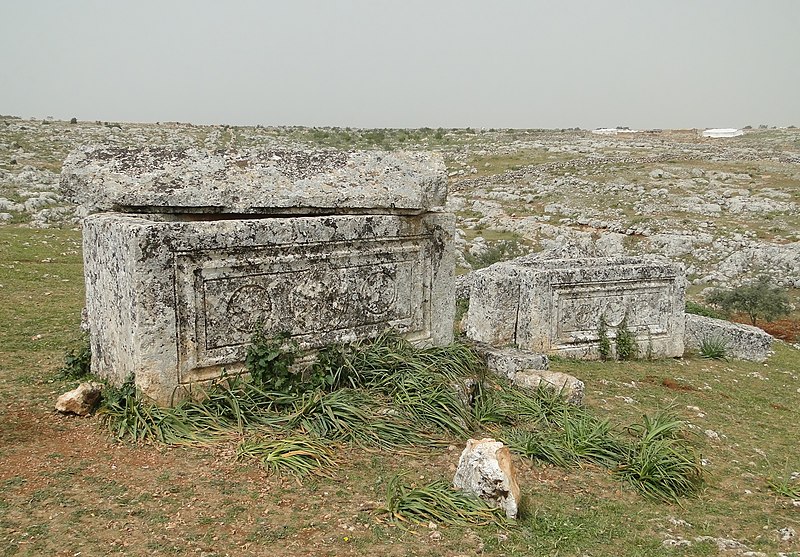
<point x="253" y="182"/>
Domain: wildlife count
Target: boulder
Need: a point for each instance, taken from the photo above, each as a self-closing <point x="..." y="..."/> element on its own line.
<point x="507" y="362"/>
<point x="571" y="388"/>
<point x="80" y="401"/>
<point x="485" y="469"/>
<point x="743" y="342"/>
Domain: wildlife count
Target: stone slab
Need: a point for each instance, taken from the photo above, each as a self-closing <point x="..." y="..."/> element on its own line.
<point x="555" y="305"/>
<point x="743" y="342"/>
<point x="275" y="182"/>
<point x="173" y="302"/>
<point x="569" y="387"/>
<point x="507" y="362"/>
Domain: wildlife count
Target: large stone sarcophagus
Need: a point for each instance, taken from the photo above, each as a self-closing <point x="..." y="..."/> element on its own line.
<point x="555" y="306"/>
<point x="185" y="252"/>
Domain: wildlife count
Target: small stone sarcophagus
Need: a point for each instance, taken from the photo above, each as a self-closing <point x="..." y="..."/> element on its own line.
<point x="190" y="250"/>
<point x="555" y="305"/>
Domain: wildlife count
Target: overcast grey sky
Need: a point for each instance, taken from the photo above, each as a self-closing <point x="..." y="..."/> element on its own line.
<point x="405" y="63"/>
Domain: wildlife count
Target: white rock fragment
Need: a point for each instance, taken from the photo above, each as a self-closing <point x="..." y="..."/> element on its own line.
<point x="571" y="388"/>
<point x="485" y="469"/>
<point x="679" y="522"/>
<point x="787" y="534"/>
<point x="81" y="400"/>
<point x="670" y="542"/>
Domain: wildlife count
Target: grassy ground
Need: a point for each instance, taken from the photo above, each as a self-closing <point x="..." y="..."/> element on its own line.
<point x="67" y="489"/>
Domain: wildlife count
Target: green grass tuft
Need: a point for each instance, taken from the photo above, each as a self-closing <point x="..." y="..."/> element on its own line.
<point x="661" y="464"/>
<point x="713" y="348"/>
<point x="297" y="456"/>
<point x="436" y="502"/>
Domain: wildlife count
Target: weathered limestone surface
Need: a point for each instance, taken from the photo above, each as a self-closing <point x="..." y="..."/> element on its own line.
<point x="168" y="180"/>
<point x="743" y="342"/>
<point x="173" y="301"/>
<point x="485" y="469"/>
<point x="192" y="249"/>
<point x="567" y="386"/>
<point x="555" y="305"/>
<point x="81" y="400"/>
<point x="507" y="362"/>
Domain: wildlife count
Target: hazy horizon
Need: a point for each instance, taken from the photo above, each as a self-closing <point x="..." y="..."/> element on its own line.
<point x="374" y="63"/>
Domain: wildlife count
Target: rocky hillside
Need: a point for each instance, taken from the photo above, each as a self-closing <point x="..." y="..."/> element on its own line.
<point x="729" y="209"/>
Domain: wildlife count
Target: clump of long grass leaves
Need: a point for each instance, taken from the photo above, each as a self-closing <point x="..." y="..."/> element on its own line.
<point x="427" y="385"/>
<point x="386" y="393"/>
<point x="295" y="455"/>
<point x="713" y="348"/>
<point x="785" y="486"/>
<point x="654" y="456"/>
<point x="660" y="463"/>
<point x="436" y="502"/>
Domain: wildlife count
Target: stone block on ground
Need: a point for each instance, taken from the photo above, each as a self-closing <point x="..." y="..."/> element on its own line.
<point x="326" y="246"/>
<point x="743" y="342"/>
<point x="554" y="306"/>
<point x="485" y="469"/>
<point x="507" y="362"/>
<point x="571" y="388"/>
<point x="81" y="400"/>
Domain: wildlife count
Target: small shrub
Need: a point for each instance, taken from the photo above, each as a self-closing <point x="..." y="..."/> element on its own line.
<point x="713" y="348"/>
<point x="603" y="342"/>
<point x="759" y="300"/>
<point x="269" y="361"/>
<point x="499" y="251"/>
<point x="698" y="309"/>
<point x="77" y="361"/>
<point x="625" y="341"/>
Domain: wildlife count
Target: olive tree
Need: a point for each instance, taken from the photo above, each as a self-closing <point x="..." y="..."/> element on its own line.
<point x="759" y="300"/>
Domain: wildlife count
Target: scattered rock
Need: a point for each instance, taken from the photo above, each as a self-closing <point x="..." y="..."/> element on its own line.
<point x="787" y="534"/>
<point x="571" y="388"/>
<point x="507" y="362"/>
<point x="80" y="401"/>
<point x="485" y="469"/>
<point x="669" y="542"/>
<point x="679" y="522"/>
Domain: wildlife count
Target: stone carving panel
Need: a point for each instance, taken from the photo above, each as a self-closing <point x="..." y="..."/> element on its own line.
<point x="580" y="306"/>
<point x="328" y="295"/>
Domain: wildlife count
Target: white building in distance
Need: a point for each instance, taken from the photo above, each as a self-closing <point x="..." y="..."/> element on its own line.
<point x="722" y="132"/>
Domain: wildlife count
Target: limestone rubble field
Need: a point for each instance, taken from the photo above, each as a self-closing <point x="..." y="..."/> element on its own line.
<point x="728" y="208"/>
